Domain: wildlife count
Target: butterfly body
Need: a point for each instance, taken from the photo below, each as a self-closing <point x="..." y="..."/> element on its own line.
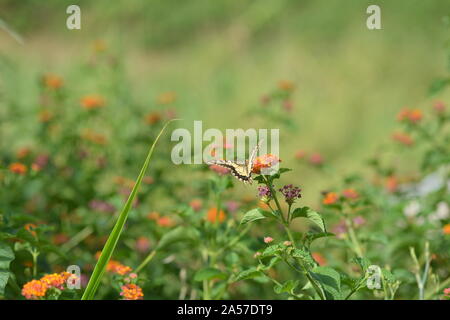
<point x="242" y="172"/>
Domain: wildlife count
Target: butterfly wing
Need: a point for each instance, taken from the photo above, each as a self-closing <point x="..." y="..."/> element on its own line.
<point x="237" y="170"/>
<point x="252" y="157"/>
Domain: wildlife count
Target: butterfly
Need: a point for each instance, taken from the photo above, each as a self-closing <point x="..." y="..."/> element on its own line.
<point x="242" y="172"/>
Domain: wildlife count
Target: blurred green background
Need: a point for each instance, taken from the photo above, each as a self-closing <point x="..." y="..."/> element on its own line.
<point x="221" y="56"/>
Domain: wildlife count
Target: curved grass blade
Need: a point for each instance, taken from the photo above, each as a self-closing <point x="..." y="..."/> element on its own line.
<point x="113" y="238"/>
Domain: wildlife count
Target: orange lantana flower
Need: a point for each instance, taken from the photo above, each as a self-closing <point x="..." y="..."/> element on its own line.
<point x="196" y="204"/>
<point x="350" y="193"/>
<point x="264" y="162"/>
<point x="131" y="291"/>
<point x="116" y="267"/>
<point x="56" y="280"/>
<point x="330" y="198"/>
<point x="152" y="118"/>
<point x="18" y="168"/>
<point x="91" y="102"/>
<point x="446" y="229"/>
<point x="165" y="222"/>
<point x="412" y="116"/>
<point x="213" y="217"/>
<point x="52" y="81"/>
<point x="391" y="184"/>
<point x="403" y="138"/>
<point x="30" y="227"/>
<point x="319" y="258"/>
<point x="35" y="289"/>
<point x="286" y="85"/>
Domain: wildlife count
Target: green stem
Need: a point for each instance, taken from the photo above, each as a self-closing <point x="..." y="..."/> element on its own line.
<point x="351" y="231"/>
<point x="146" y="261"/>
<point x="35" y="255"/>
<point x="316" y="287"/>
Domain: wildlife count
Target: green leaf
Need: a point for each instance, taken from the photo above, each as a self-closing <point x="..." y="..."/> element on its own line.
<point x="287" y="287"/>
<point x="330" y="280"/>
<point x="255" y="214"/>
<point x="6" y="256"/>
<point x="388" y="276"/>
<point x="306" y="212"/>
<point x="311" y="236"/>
<point x="304" y="256"/>
<point x="209" y="274"/>
<point x="248" y="274"/>
<point x="178" y="234"/>
<point x="272" y="250"/>
<point x="113" y="238"/>
<point x="362" y="262"/>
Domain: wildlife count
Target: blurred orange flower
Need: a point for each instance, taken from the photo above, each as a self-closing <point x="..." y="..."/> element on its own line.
<point x="446" y="229"/>
<point x="403" y="138"/>
<point x="196" y="204"/>
<point x="319" y="258"/>
<point x="153" y="215"/>
<point x="439" y="107"/>
<point x="52" y="81"/>
<point x="165" y="222"/>
<point x="391" y="184"/>
<point x="93" y="101"/>
<point x="18" y="168"/>
<point x="45" y="116"/>
<point x="23" y="152"/>
<point x="152" y="118"/>
<point x="60" y="238"/>
<point x="30" y="227"/>
<point x="300" y="154"/>
<point x="286" y="85"/>
<point x="213" y="217"/>
<point x="142" y="244"/>
<point x="412" y="116"/>
<point x="316" y="159"/>
<point x="350" y="193"/>
<point x="94" y="137"/>
<point x="330" y="198"/>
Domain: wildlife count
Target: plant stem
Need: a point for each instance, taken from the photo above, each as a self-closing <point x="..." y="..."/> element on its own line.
<point x="353" y="238"/>
<point x="35" y="255"/>
<point x="146" y="261"/>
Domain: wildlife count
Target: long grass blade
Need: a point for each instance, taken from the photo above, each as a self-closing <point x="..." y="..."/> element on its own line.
<point x="113" y="238"/>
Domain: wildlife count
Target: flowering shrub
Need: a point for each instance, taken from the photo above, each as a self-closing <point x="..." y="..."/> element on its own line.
<point x="70" y="198"/>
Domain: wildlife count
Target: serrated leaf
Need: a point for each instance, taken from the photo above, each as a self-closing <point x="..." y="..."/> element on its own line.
<point x="306" y="212"/>
<point x="362" y="262"/>
<point x="287" y="287"/>
<point x="330" y="280"/>
<point x="209" y="274"/>
<point x="272" y="250"/>
<point x="6" y="256"/>
<point x="304" y="256"/>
